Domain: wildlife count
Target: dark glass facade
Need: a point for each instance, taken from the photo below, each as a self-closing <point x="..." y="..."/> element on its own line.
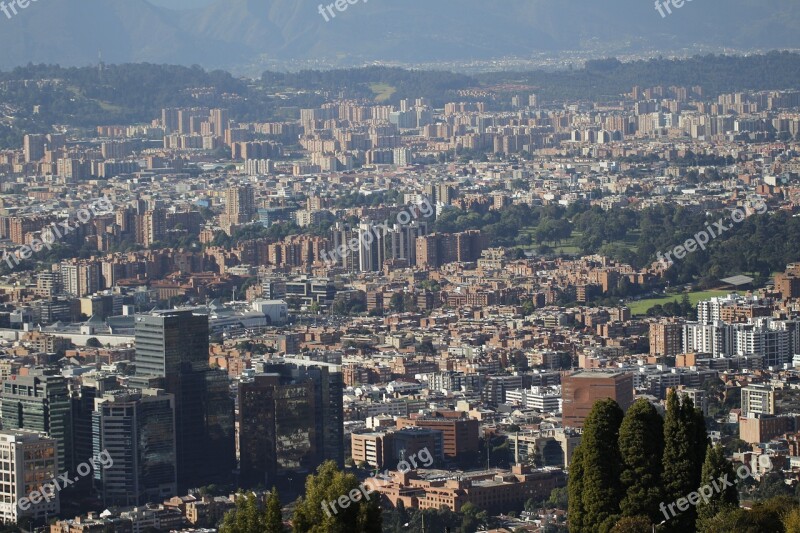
<point x="291" y="421"/>
<point x="41" y="402"/>
<point x="138" y="432"/>
<point x="173" y="345"/>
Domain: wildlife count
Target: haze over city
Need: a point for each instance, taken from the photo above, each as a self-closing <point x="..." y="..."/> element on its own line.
<point x="374" y="266"/>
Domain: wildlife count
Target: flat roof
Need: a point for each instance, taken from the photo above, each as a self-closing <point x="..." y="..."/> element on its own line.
<point x="737" y="280"/>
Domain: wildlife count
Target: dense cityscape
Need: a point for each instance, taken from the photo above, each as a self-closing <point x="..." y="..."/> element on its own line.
<point x="469" y="297"/>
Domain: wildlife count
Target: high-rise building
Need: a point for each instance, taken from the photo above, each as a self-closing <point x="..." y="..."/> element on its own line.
<point x="220" y="119"/>
<point x="666" y="338"/>
<point x="170" y="120"/>
<point x="28" y="460"/>
<point x="404" y="240"/>
<point x="171" y="342"/>
<point x="240" y="207"/>
<point x="137" y="429"/>
<point x="33" y="146"/>
<point x="290" y="421"/>
<point x="173" y="345"/>
<point x="40" y="402"/>
<point x="372" y="247"/>
<point x="438" y="249"/>
<point x="581" y="390"/>
<point x="154" y="226"/>
<point x="759" y="400"/>
<point x="240" y="204"/>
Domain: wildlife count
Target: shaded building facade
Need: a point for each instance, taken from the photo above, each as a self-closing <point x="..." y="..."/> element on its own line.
<point x="291" y="421"/>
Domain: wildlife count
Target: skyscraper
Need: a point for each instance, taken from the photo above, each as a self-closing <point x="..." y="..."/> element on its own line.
<point x="220" y="119"/>
<point x="137" y="429"/>
<point x="33" y="146"/>
<point x="173" y="345"/>
<point x="240" y="204"/>
<point x="291" y="421"/>
<point x="372" y="247"/>
<point x="29" y="460"/>
<point x="40" y="402"/>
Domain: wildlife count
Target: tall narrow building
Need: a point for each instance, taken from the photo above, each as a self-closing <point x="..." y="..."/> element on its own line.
<point x="29" y="460"/>
<point x="173" y="345"/>
<point x="372" y="247"/>
<point x="137" y="429"/>
<point x="291" y="421"/>
<point x="40" y="402"/>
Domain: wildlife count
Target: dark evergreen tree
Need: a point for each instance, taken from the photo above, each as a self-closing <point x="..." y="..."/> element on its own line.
<point x="716" y="468"/>
<point x="700" y="440"/>
<point x="633" y="524"/>
<point x="273" y="519"/>
<point x="602" y="466"/>
<point x="641" y="445"/>
<point x="684" y="436"/>
<point x="575" y="511"/>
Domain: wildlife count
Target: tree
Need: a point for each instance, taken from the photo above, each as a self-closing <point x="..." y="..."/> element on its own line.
<point x="716" y="467"/>
<point x="633" y="524"/>
<point x="329" y="485"/>
<point x="559" y="498"/>
<point x="791" y="522"/>
<point x="602" y="489"/>
<point x="684" y="436"/>
<point x="575" y="510"/>
<point x="472" y="517"/>
<point x="245" y="518"/>
<point x="641" y="439"/>
<point x="397" y="303"/>
<point x="273" y="519"/>
<point x="765" y="516"/>
<point x="92" y="342"/>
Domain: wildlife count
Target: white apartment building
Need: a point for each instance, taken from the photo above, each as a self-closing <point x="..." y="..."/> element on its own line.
<point x="758" y="399"/>
<point x="28" y="460"/>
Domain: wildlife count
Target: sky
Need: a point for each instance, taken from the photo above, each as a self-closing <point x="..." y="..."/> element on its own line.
<point x="181" y="4"/>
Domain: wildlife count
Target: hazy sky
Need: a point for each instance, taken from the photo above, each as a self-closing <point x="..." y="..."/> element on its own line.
<point x="180" y="4"/>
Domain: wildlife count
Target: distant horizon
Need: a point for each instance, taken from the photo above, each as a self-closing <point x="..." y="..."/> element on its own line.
<point x="247" y="37"/>
<point x="181" y="4"/>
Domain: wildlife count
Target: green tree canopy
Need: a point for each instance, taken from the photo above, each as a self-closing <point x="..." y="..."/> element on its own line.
<point x="641" y="444"/>
<point x="602" y="466"/>
<point x="352" y="512"/>
<point x="716" y="467"/>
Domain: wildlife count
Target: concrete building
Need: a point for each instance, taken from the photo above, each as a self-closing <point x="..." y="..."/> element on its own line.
<point x="138" y="430"/>
<point x="460" y="435"/>
<point x="758" y="400"/>
<point x="666" y="339"/>
<point x="581" y="390"/>
<point x="28" y="459"/>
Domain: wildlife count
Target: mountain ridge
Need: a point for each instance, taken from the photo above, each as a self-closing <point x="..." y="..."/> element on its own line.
<point x="233" y="33"/>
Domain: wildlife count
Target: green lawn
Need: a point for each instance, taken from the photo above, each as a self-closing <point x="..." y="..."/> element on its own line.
<point x="383" y="91"/>
<point x="641" y="307"/>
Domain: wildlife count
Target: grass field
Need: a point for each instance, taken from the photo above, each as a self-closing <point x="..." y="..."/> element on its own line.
<point x="570" y="246"/>
<point x="641" y="307"/>
<point x="383" y="92"/>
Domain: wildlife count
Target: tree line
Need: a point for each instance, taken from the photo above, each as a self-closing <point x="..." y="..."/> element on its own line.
<point x="639" y="472"/>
